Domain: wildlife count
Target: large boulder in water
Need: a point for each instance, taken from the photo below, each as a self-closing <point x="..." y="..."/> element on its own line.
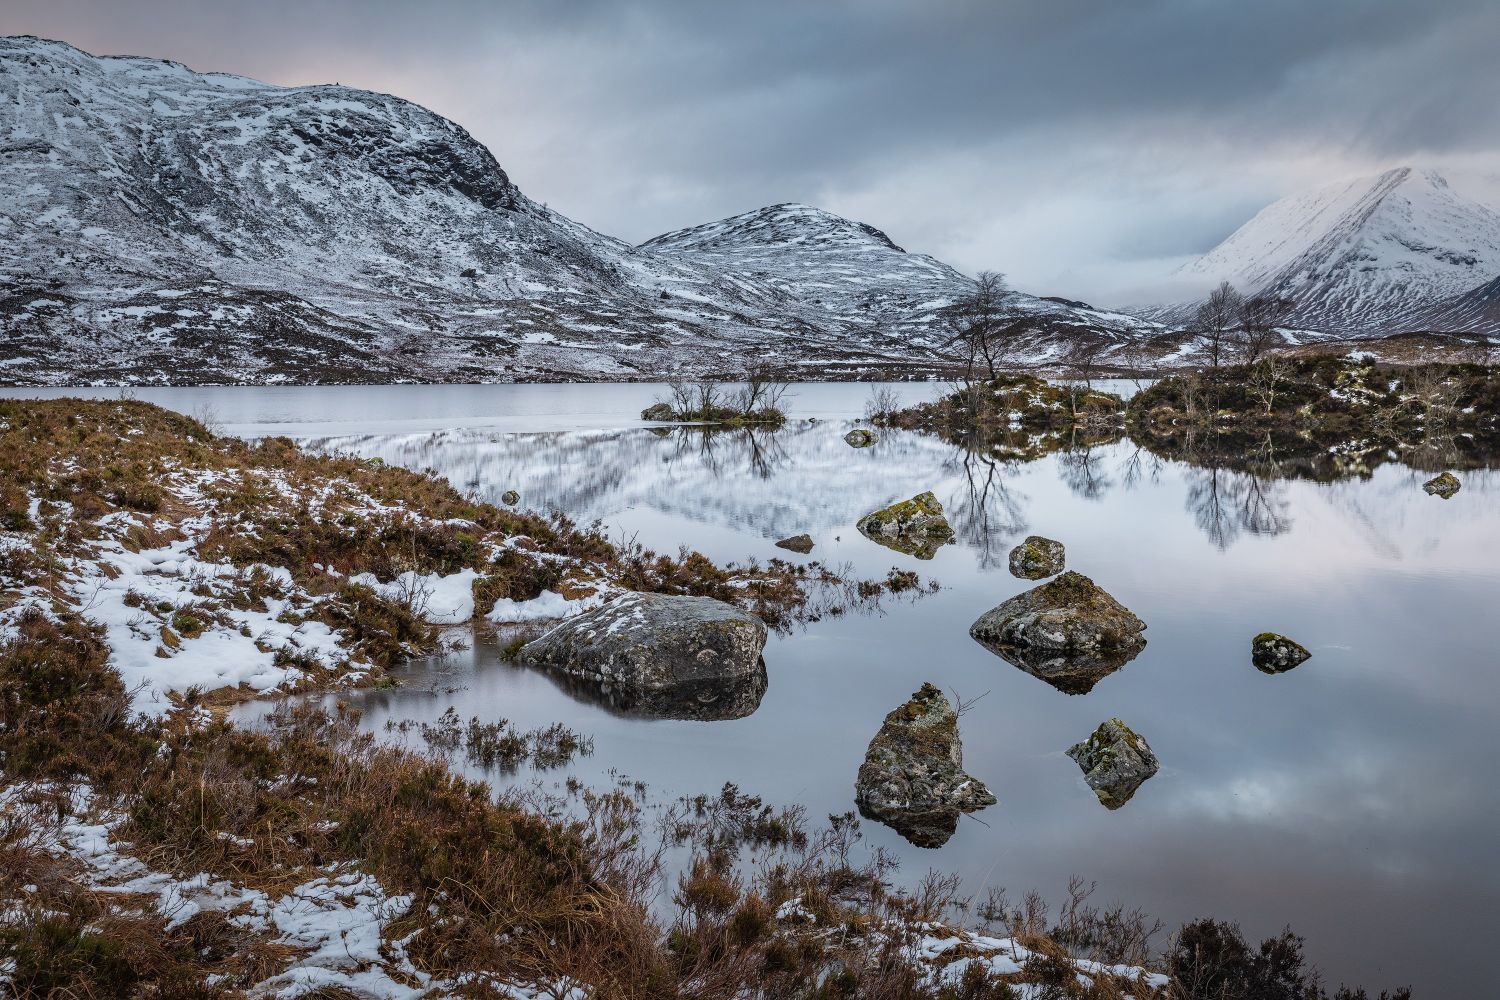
<point x="654" y="642"/>
<point x="859" y="438"/>
<point x="912" y="778"/>
<point x="1068" y="632"/>
<point x="1115" y="762"/>
<point x="1275" y="654"/>
<point x="916" y="527"/>
<point x="1443" y="486"/>
<point x="659" y="411"/>
<point x="1037" y="557"/>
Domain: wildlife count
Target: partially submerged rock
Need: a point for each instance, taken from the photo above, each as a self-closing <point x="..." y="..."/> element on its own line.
<point x="1068" y="632"/>
<point x="1115" y="762"/>
<point x="859" y="438"/>
<point x="916" y="527"/>
<point x="1274" y="654"/>
<point x="658" y="411"/>
<point x="654" y="642"/>
<point x="912" y="778"/>
<point x="1037" y="557"/>
<point x="510" y="498"/>
<point x="797" y="543"/>
<point x="1443" y="486"/>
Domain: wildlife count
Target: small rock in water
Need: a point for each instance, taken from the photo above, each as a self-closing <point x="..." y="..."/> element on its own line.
<point x="912" y="778"/>
<point x="658" y="411"/>
<point x="1037" y="557"/>
<point x="653" y="642"/>
<point x="916" y="527"/>
<point x="797" y="543"/>
<point x="1068" y="632"/>
<point x="510" y="498"/>
<point x="1275" y="654"/>
<point x="1444" y="486"/>
<point x="1115" y="762"/>
<point x="859" y="438"/>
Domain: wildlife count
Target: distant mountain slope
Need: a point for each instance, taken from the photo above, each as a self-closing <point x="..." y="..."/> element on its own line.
<point x="163" y="225"/>
<point x="1368" y="256"/>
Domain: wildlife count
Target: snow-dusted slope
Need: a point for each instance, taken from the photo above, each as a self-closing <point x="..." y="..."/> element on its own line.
<point x="1367" y="256"/>
<point x="158" y="224"/>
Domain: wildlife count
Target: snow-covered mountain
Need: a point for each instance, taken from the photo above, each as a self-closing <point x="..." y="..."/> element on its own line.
<point x="1370" y="256"/>
<point x="158" y="224"/>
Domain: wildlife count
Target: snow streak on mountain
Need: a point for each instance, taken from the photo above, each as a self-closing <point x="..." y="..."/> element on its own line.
<point x="1399" y="251"/>
<point x="162" y="225"/>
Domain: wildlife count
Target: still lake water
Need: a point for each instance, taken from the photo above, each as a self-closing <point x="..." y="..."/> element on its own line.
<point x="1354" y="797"/>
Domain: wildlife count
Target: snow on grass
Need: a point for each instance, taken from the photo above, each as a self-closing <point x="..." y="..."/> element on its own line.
<point x="548" y="604"/>
<point x="441" y="600"/>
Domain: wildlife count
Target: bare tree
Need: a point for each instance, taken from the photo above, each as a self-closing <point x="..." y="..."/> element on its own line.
<point x="706" y="398"/>
<point x="977" y="324"/>
<point x="761" y="393"/>
<point x="1216" y="318"/>
<point x="679" y="397"/>
<point x="1266" y="378"/>
<point x="1259" y="316"/>
<point x="882" y="403"/>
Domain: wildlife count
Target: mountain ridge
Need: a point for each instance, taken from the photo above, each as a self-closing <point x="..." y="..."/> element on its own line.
<point x="1373" y="255"/>
<point x="165" y="225"/>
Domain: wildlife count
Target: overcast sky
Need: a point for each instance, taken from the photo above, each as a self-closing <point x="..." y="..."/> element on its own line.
<point x="1084" y="147"/>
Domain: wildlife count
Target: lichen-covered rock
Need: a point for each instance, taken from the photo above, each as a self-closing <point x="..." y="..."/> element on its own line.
<point x="510" y="498"/>
<point x="1037" y="557"/>
<point x="1115" y="762"/>
<point x="797" y="543"/>
<point x="658" y="411"/>
<point x="916" y="527"/>
<point x="912" y="778"/>
<point x="1275" y="654"/>
<point x="859" y="438"/>
<point x="1067" y="631"/>
<point x="1443" y="486"/>
<point x="653" y="642"/>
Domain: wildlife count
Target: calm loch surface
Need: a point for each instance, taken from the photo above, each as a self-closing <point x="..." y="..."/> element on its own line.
<point x="1354" y="797"/>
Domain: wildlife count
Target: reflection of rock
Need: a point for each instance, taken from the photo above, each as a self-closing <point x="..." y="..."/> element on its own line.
<point x="697" y="701"/>
<point x="912" y="778"/>
<point x="797" y="543"/>
<point x="658" y="411"/>
<point x="510" y="498"/>
<point x="1075" y="673"/>
<point x="651" y="642"/>
<point x="859" y="438"/>
<point x="916" y="526"/>
<point x="1068" y="632"/>
<point x="1037" y="557"/>
<point x="1115" y="762"/>
<point x="1444" y="486"/>
<point x="1274" y="654"/>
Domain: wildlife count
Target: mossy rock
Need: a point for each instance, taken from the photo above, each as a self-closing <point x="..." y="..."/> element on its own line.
<point x="1037" y="557"/>
<point x="916" y="527"/>
<point x="1275" y="654"/>
<point x="1115" y="761"/>
<point x="1442" y="486"/>
<point x="859" y="438"/>
<point x="510" y="498"/>
<point x="658" y="411"/>
<point x="912" y="778"/>
<point x="797" y="543"/>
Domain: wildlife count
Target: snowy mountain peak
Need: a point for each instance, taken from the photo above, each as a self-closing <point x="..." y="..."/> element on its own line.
<point x="1364" y="255"/>
<point x="786" y="224"/>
